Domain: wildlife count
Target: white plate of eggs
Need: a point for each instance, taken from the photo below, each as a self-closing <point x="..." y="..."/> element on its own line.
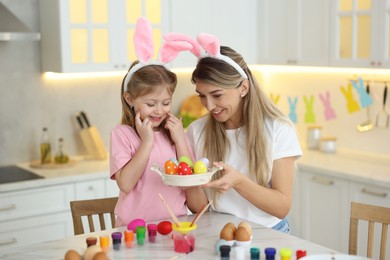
<point x="183" y="173"/>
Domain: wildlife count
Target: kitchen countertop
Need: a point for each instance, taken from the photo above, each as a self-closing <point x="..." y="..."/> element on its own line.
<point x="367" y="168"/>
<point x="82" y="170"/>
<point x="207" y="233"/>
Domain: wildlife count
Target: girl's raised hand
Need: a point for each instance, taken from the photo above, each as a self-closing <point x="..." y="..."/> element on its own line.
<point x="230" y="178"/>
<point x="175" y="127"/>
<point x="144" y="128"/>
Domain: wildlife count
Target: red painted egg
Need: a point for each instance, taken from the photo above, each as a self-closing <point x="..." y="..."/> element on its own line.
<point x="170" y="167"/>
<point x="184" y="169"/>
<point x="164" y="227"/>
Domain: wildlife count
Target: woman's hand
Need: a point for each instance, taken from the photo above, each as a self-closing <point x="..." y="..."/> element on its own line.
<point x="175" y="127"/>
<point x="144" y="129"/>
<point x="230" y="178"/>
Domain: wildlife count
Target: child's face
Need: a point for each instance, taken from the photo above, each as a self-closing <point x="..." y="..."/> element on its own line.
<point x="154" y="105"/>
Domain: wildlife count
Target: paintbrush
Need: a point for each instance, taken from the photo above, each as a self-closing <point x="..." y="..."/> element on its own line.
<point x="177" y="222"/>
<point x="200" y="213"/>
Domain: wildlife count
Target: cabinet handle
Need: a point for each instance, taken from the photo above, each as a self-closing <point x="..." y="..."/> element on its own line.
<point x="323" y="181"/>
<point x="379" y="64"/>
<point x="8" y="241"/>
<point x="91" y="188"/>
<point x="372" y="63"/>
<point x="374" y="193"/>
<point x="10" y="207"/>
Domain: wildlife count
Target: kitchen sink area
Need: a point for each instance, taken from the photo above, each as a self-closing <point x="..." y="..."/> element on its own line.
<point x="13" y="173"/>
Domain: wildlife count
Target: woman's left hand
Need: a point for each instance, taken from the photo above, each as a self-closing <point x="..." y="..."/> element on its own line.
<point x="231" y="177"/>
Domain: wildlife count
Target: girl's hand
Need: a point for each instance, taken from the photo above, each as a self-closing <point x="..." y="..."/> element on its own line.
<point x="175" y="127"/>
<point x="230" y="178"/>
<point x="144" y="129"/>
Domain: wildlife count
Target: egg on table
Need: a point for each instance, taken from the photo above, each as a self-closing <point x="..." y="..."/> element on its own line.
<point x="91" y="251"/>
<point x="247" y="226"/>
<point x="228" y="232"/>
<point x="242" y="234"/>
<point x="72" y="255"/>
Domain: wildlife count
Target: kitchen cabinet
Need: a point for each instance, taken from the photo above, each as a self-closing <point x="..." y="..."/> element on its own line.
<point x="360" y="33"/>
<point x="95" y="35"/>
<point x="294" y="32"/>
<point x="26" y="213"/>
<point x="233" y="23"/>
<point x="91" y="189"/>
<point x="325" y="210"/>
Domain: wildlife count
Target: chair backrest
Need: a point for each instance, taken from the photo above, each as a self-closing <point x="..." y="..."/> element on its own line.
<point x="372" y="214"/>
<point x="88" y="208"/>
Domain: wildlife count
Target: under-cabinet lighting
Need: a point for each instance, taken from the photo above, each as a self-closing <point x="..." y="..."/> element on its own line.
<point x="305" y="69"/>
<point x="83" y="75"/>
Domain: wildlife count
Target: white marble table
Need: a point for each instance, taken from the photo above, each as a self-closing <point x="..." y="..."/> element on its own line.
<point x="208" y="230"/>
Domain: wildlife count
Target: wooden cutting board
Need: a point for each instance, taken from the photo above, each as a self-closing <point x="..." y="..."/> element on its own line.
<point x="52" y="165"/>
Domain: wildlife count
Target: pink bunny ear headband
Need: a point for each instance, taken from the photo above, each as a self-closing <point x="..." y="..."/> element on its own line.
<point x="211" y="48"/>
<point x="144" y="49"/>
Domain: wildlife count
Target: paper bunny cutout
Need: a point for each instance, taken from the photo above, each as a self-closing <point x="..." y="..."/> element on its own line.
<point x="310" y="117"/>
<point x="365" y="98"/>
<point x="293" y="106"/>
<point x="329" y="112"/>
<point x="352" y="104"/>
<point x="275" y="98"/>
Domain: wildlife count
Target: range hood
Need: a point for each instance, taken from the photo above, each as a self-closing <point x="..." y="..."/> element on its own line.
<point x="12" y="29"/>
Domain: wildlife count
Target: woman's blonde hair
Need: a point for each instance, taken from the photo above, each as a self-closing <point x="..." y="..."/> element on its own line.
<point x="256" y="108"/>
<point x="143" y="82"/>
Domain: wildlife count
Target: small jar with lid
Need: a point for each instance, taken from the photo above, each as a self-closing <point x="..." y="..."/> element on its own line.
<point x="328" y="144"/>
<point x="313" y="136"/>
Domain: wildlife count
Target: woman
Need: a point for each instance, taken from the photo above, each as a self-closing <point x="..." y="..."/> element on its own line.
<point x="249" y="137"/>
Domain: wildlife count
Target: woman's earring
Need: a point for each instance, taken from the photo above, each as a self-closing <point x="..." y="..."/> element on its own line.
<point x="242" y="95"/>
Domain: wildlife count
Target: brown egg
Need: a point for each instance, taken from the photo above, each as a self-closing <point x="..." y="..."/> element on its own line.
<point x="242" y="234"/>
<point x="100" y="256"/>
<point x="228" y="232"/>
<point x="72" y="255"/>
<point x="247" y="226"/>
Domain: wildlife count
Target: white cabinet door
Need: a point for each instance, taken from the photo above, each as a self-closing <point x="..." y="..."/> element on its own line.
<point x="294" y="32"/>
<point x="234" y="23"/>
<point x="35" y="229"/>
<point x="92" y="189"/>
<point x="369" y="194"/>
<point x="325" y="208"/>
<point x="360" y="33"/>
<point x="88" y="36"/>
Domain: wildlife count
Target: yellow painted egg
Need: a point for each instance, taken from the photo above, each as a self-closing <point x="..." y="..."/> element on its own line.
<point x="200" y="167"/>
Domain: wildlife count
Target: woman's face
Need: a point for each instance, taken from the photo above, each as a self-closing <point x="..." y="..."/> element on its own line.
<point x="225" y="105"/>
<point x="155" y="105"/>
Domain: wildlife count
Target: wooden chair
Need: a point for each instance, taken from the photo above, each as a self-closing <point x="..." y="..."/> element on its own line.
<point x="80" y="208"/>
<point x="372" y="214"/>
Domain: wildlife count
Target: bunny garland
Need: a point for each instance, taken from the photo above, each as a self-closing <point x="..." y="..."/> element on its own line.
<point x="209" y="43"/>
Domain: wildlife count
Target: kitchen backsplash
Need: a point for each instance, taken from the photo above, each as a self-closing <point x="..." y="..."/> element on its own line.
<point x="28" y="102"/>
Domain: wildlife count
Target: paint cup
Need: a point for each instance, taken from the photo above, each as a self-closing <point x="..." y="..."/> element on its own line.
<point x="184" y="237"/>
<point x="313" y="137"/>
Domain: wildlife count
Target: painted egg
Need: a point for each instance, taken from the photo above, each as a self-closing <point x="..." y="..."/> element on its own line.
<point x="186" y="160"/>
<point x="200" y="167"/>
<point x="206" y="161"/>
<point x="170" y="167"/>
<point x="173" y="159"/>
<point x="164" y="227"/>
<point x="184" y="169"/>
<point x="135" y="223"/>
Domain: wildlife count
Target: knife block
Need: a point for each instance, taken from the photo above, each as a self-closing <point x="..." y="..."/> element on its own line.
<point x="93" y="143"/>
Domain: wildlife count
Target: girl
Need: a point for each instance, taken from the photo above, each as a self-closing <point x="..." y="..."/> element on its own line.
<point x="148" y="134"/>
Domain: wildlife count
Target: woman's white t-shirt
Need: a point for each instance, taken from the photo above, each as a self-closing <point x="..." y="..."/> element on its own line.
<point x="284" y="143"/>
